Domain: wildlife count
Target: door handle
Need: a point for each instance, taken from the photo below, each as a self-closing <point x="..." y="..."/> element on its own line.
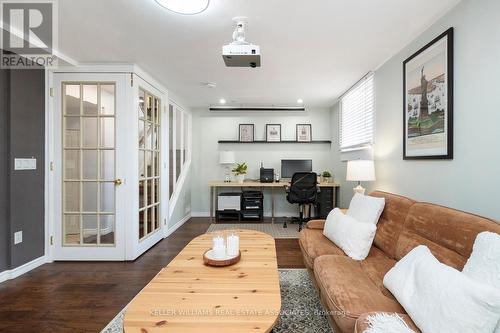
<point x="118" y="182"/>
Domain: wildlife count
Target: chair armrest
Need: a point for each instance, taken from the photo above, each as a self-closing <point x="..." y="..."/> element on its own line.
<point x="316" y="224"/>
<point x="287" y="188"/>
<point x="362" y="323"/>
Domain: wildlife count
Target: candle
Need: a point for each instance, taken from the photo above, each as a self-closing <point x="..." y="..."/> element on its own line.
<point x="218" y="247"/>
<point x="233" y="244"/>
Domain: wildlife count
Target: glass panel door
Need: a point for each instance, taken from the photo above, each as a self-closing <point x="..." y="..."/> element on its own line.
<point x="88" y="112"/>
<point x="149" y="163"/>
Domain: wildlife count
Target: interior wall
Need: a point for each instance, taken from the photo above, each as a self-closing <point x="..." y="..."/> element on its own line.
<point x="4" y="169"/>
<point x="209" y="127"/>
<point x="468" y="181"/>
<point x="183" y="205"/>
<point x="22" y="191"/>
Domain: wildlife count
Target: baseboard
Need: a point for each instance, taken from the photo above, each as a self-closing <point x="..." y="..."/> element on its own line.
<point x="18" y="271"/>
<point x="266" y="214"/>
<point x="200" y="214"/>
<point x="177" y="225"/>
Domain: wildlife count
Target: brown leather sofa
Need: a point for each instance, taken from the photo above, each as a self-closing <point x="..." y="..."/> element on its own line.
<point x="352" y="289"/>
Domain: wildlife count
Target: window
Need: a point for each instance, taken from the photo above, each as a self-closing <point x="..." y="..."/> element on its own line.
<point x="179" y="144"/>
<point x="357" y="115"/>
<point x="149" y="163"/>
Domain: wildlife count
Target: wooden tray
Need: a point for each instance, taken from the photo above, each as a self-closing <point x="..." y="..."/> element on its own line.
<point x="221" y="262"/>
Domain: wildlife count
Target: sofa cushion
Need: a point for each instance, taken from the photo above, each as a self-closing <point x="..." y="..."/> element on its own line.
<point x="314" y="244"/>
<point x="362" y="324"/>
<point x="350" y="288"/>
<point x="391" y="221"/>
<point x="353" y="237"/>
<point x="316" y="224"/>
<point x="448" y="233"/>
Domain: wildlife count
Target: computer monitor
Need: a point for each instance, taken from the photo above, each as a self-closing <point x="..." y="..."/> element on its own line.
<point x="289" y="167"/>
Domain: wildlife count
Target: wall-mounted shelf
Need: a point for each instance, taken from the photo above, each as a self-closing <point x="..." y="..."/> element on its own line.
<point x="283" y="141"/>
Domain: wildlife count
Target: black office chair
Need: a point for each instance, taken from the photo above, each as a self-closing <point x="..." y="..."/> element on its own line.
<point x="303" y="190"/>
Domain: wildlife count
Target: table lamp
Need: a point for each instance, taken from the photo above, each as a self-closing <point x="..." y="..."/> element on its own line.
<point x="226" y="158"/>
<point x="360" y="171"/>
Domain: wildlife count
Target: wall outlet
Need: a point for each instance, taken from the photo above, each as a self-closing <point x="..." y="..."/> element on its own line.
<point x="18" y="237"/>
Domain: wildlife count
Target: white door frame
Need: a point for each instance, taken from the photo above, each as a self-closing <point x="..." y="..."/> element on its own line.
<point x="57" y="251"/>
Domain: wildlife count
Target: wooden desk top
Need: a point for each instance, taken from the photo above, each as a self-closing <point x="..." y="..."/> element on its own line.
<point x="187" y="296"/>
<point x="252" y="183"/>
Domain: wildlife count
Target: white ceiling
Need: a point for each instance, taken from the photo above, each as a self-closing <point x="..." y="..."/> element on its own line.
<point x="311" y="49"/>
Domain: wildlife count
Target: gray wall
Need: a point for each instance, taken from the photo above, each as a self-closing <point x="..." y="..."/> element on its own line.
<point x="24" y="138"/>
<point x="470" y="180"/>
<point x="4" y="167"/>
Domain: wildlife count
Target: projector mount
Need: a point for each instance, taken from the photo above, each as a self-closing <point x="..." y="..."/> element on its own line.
<point x="239" y="31"/>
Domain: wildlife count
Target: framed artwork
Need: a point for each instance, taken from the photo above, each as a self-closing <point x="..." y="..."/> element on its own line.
<point x="304" y="133"/>
<point x="246" y="132"/>
<point x="428" y="101"/>
<point x="273" y="132"/>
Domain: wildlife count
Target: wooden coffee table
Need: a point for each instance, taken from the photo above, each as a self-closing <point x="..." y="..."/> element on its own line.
<point x="187" y="296"/>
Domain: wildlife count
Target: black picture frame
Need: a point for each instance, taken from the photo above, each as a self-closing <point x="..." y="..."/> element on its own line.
<point x="253" y="132"/>
<point x="445" y="80"/>
<point x="297" y="136"/>
<point x="267" y="133"/>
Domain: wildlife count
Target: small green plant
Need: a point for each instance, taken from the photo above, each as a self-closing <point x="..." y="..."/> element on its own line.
<point x="240" y="169"/>
<point x="326" y="174"/>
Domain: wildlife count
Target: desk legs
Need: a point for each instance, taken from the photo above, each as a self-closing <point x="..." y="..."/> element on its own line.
<point x="211" y="204"/>
<point x="272" y="205"/>
<point x="335" y="197"/>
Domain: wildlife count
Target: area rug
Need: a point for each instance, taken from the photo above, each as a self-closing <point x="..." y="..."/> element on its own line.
<point x="276" y="230"/>
<point x="301" y="309"/>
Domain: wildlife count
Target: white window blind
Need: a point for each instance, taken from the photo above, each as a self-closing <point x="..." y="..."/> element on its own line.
<point x="357" y="115"/>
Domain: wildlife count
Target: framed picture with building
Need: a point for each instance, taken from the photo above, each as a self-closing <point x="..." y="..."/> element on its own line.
<point x="304" y="133"/>
<point x="428" y="101"/>
<point x="273" y="132"/>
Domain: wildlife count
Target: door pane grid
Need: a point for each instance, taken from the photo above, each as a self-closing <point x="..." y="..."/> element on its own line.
<point x="88" y="191"/>
<point x="149" y="168"/>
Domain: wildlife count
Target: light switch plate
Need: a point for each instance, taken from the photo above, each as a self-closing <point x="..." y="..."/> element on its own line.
<point x="25" y="164"/>
<point x="18" y="237"/>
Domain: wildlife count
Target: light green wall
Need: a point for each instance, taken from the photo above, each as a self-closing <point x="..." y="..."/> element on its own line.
<point x="471" y="180"/>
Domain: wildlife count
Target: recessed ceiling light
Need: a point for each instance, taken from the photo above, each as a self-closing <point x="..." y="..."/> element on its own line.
<point x="300" y="101"/>
<point x="222" y="101"/>
<point x="185" y="7"/>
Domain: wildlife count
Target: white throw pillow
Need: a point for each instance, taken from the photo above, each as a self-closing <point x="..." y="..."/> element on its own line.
<point x="365" y="208"/>
<point x="441" y="299"/>
<point x="484" y="262"/>
<point x="353" y="237"/>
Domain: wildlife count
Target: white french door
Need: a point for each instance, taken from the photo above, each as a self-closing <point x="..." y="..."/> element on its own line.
<point x="89" y="159"/>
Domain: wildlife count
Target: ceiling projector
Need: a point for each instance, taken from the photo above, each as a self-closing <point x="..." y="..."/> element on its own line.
<point x="241" y="53"/>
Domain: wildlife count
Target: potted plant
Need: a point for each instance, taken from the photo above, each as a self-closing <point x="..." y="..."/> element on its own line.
<point x="240" y="171"/>
<point x="326" y="177"/>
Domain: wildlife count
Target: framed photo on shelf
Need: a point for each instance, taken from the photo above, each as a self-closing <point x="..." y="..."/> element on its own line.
<point x="428" y="101"/>
<point x="246" y="133"/>
<point x="304" y="133"/>
<point x="273" y="132"/>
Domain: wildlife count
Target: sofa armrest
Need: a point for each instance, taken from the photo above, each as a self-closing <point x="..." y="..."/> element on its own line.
<point x="316" y="224"/>
<point x="362" y="324"/>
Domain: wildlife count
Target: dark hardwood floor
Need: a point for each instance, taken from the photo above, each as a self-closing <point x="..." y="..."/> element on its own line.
<point x="85" y="296"/>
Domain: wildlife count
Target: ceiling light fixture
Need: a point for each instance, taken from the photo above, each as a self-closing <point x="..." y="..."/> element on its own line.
<point x="185" y="7"/>
<point x="222" y="101"/>
<point x="300" y="101"/>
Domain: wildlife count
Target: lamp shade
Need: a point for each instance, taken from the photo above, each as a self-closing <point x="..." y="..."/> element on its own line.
<point x="360" y="170"/>
<point x="227" y="157"/>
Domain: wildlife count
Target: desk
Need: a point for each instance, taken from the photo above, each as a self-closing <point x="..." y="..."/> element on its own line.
<point x="216" y="184"/>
